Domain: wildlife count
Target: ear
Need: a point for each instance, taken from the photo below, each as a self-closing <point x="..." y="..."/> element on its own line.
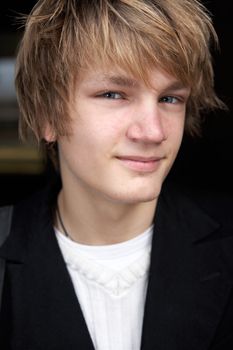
<point x="49" y="133"/>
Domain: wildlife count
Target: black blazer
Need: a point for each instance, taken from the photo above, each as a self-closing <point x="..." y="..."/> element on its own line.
<point x="189" y="304"/>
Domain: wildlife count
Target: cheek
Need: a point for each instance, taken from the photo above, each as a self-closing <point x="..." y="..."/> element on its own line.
<point x="175" y="126"/>
<point x="102" y="134"/>
<point x="90" y="140"/>
<point x="175" y="130"/>
<point x="95" y="117"/>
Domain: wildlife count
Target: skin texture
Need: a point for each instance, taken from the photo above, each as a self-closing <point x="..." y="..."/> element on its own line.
<point x="124" y="139"/>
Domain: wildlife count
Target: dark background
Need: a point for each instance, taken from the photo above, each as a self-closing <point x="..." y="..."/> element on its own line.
<point x="203" y="163"/>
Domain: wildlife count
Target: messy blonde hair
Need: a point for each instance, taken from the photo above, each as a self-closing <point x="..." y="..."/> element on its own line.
<point x="63" y="36"/>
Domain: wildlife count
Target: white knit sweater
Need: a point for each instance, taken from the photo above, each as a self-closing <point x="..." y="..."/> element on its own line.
<point x="110" y="282"/>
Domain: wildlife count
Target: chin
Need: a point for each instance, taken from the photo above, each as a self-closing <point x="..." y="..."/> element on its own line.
<point x="134" y="197"/>
<point x="145" y="198"/>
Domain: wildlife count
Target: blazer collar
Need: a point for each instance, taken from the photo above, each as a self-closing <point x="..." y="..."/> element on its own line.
<point x="187" y="288"/>
<point x="34" y="216"/>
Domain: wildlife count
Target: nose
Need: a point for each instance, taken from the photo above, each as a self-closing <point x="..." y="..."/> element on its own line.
<point x="147" y="126"/>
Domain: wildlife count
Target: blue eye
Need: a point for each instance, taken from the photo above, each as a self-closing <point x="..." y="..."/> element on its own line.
<point x="112" y="95"/>
<point x="169" y="99"/>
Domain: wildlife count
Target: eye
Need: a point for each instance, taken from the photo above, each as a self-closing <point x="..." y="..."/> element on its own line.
<point x="113" y="95"/>
<point x="170" y="99"/>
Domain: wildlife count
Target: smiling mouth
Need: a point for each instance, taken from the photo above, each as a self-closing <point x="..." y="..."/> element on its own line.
<point x="141" y="164"/>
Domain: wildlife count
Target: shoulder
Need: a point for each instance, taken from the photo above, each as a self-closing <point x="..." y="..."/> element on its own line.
<point x="216" y="204"/>
<point x="43" y="199"/>
<point x="30" y="218"/>
<point x="5" y="222"/>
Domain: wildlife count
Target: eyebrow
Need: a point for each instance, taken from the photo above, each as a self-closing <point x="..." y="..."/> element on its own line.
<point x="120" y="81"/>
<point x="176" y="85"/>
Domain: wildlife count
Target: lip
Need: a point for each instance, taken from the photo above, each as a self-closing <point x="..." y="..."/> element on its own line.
<point x="141" y="163"/>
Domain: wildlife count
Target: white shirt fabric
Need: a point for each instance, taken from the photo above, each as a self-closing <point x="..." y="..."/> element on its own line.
<point x="110" y="283"/>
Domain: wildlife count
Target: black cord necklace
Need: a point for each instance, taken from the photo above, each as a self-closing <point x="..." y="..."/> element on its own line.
<point x="62" y="224"/>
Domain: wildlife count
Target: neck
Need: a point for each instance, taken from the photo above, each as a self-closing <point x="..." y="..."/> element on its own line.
<point x="98" y="221"/>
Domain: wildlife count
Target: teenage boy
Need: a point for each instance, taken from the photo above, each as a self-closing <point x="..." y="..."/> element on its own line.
<point x="116" y="258"/>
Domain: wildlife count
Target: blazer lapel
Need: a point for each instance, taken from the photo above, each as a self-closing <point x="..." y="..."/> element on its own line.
<point x="67" y="321"/>
<point x="47" y="312"/>
<point x="187" y="289"/>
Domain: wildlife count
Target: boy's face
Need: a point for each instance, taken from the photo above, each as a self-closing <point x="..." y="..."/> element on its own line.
<point x="125" y="135"/>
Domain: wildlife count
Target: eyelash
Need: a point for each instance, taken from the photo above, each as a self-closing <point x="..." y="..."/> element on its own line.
<point x="104" y="95"/>
<point x="164" y="99"/>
